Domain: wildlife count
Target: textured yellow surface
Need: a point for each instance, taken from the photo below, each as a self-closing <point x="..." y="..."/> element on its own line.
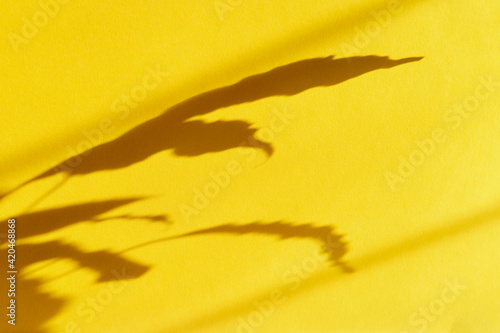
<point x="331" y="166"/>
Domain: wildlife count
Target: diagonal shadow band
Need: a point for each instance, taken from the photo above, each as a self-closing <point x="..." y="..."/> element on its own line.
<point x="173" y="129"/>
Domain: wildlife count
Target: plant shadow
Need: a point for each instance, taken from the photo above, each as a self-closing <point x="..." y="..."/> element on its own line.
<point x="173" y="129"/>
<point x="32" y="300"/>
<point x="330" y="242"/>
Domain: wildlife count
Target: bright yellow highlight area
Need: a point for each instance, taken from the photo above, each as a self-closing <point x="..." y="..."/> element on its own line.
<point x="250" y="166"/>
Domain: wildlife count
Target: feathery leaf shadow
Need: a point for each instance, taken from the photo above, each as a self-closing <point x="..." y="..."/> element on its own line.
<point x="331" y="242"/>
<point x="173" y="129"/>
<point x="375" y="257"/>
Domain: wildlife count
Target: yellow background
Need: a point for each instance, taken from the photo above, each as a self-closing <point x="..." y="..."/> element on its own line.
<point x="328" y="167"/>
